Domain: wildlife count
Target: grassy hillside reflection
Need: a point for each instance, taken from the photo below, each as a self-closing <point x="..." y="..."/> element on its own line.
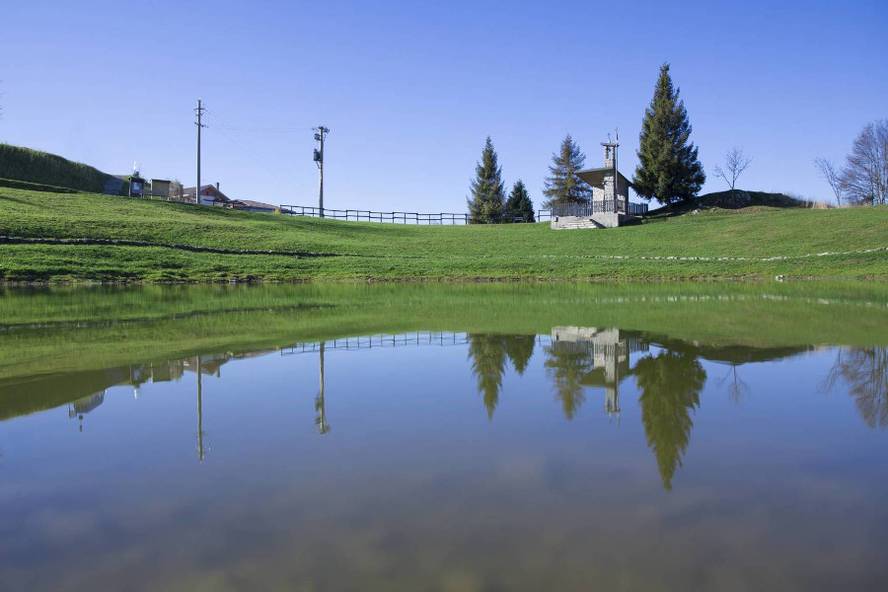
<point x="55" y="337"/>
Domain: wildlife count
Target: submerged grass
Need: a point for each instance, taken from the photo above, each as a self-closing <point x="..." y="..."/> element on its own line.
<point x="68" y="334"/>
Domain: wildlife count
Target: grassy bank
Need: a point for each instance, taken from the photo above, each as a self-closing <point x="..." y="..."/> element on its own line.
<point x="174" y="242"/>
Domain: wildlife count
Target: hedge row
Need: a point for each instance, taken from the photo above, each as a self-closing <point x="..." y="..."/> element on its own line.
<point x="35" y="166"/>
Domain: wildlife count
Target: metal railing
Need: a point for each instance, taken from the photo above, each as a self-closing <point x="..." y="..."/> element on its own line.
<point x="599" y="207"/>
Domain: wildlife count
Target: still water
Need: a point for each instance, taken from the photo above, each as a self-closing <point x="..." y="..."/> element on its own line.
<point x="454" y="439"/>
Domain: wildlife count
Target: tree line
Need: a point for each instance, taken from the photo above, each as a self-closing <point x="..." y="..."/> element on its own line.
<point x="668" y="170"/>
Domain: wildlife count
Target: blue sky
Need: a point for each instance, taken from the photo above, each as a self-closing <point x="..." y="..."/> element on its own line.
<point x="410" y="90"/>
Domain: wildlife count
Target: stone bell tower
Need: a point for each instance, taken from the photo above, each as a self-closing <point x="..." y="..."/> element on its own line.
<point x="611" y="192"/>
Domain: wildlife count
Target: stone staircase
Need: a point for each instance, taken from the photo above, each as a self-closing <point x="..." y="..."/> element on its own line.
<point x="574" y="223"/>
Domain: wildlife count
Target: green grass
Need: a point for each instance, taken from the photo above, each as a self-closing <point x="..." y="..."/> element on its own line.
<point x="368" y="251"/>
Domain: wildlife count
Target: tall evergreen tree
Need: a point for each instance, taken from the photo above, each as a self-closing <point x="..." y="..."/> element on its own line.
<point x="562" y="185"/>
<point x="519" y="208"/>
<point x="488" y="191"/>
<point x="668" y="168"/>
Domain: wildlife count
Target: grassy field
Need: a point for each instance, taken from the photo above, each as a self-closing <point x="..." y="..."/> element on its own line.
<point x="174" y="242"/>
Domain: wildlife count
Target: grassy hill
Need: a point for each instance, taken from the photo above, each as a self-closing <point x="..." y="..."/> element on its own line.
<point x="25" y="164"/>
<point x="158" y="241"/>
<point x="732" y="200"/>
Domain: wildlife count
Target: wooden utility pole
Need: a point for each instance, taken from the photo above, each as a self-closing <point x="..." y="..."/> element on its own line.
<point x="320" y="404"/>
<point x="199" y="111"/>
<point x="320" y="134"/>
<point x="200" y="432"/>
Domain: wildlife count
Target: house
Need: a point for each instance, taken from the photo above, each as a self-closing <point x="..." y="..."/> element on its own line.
<point x="210" y="195"/>
<point x="609" y="206"/>
<point x="160" y="187"/>
<point x="248" y="205"/>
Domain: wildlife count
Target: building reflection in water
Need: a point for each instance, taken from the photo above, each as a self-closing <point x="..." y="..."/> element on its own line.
<point x="581" y="357"/>
<point x="80" y="407"/>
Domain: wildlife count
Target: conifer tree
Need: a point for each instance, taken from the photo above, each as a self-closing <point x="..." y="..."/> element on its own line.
<point x="519" y="207"/>
<point x="668" y="169"/>
<point x="488" y="192"/>
<point x="562" y="185"/>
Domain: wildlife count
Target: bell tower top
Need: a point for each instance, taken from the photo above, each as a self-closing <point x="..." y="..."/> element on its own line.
<point x="610" y="152"/>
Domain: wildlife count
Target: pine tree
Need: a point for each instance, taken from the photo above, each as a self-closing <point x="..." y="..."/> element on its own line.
<point x="562" y="185"/>
<point x="488" y="192"/>
<point x="519" y="207"/>
<point x="668" y="168"/>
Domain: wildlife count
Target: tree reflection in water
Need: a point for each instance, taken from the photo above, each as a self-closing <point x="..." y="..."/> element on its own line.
<point x="865" y="370"/>
<point x="568" y="365"/>
<point x="670" y="385"/>
<point x="489" y="353"/>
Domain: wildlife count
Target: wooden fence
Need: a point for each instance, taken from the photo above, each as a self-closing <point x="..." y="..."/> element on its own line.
<point x="373" y="216"/>
<point x="449" y="217"/>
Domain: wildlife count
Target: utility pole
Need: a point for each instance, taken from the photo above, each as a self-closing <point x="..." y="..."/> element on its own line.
<point x="200" y="433"/>
<point x="320" y="405"/>
<point x="320" y="133"/>
<point x="199" y="111"/>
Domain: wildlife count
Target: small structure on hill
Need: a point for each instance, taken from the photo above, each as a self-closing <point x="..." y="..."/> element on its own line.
<point x="160" y="187"/>
<point x="249" y="205"/>
<point x="136" y="185"/>
<point x="609" y="206"/>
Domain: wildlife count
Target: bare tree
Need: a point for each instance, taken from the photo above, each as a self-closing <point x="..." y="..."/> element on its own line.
<point x="737" y="389"/>
<point x="865" y="177"/>
<point x="833" y="177"/>
<point x="865" y="370"/>
<point x="735" y="163"/>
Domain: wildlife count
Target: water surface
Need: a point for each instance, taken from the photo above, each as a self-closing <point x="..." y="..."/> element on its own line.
<point x="445" y="438"/>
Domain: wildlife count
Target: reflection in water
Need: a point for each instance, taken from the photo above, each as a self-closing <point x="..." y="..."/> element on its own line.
<point x="320" y="404"/>
<point x="670" y="384"/>
<point x="489" y="353"/>
<point x="580" y="357"/>
<point x="737" y="389"/>
<point x="201" y="454"/>
<point x="84" y="405"/>
<point x="576" y="359"/>
<point x="865" y="370"/>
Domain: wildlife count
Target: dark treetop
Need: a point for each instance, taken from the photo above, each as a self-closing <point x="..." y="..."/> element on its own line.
<point x="519" y="207"/>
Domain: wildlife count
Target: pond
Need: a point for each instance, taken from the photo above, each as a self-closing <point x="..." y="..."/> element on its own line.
<point x="454" y="438"/>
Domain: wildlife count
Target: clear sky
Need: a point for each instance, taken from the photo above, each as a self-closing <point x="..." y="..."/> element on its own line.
<point x="411" y="89"/>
